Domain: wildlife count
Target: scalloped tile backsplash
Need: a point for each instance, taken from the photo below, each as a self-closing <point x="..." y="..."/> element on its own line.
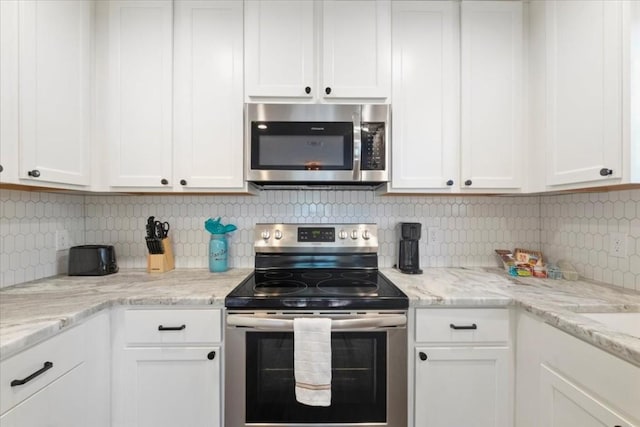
<point x="573" y="227"/>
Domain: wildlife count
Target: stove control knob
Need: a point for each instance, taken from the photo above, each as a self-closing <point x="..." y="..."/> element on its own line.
<point x="342" y="234"/>
<point x="366" y="235"/>
<point x="265" y="234"/>
<point x="354" y="234"/>
<point x="277" y="234"/>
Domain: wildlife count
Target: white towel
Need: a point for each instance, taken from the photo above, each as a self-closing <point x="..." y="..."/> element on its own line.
<point x="312" y="360"/>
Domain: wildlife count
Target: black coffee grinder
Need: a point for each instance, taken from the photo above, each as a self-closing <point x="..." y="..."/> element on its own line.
<point x="409" y="257"/>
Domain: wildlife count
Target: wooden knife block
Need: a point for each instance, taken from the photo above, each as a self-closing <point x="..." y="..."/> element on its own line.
<point x="160" y="263"/>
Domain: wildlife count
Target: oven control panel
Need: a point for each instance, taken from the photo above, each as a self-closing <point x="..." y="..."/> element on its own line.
<point x="316" y="234"/>
<point x="325" y="238"/>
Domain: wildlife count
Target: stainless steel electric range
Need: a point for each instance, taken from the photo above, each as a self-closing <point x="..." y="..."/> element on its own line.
<point x="324" y="270"/>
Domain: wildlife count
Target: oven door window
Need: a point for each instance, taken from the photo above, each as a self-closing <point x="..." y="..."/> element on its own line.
<point x="302" y="145"/>
<point x="358" y="385"/>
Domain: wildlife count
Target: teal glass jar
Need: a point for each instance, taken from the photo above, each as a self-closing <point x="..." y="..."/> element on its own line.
<point x="218" y="253"/>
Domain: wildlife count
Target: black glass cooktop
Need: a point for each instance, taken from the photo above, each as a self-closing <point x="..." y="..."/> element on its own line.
<point x="317" y="288"/>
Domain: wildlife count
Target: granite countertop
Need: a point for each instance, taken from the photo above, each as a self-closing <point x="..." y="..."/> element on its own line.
<point x="34" y="311"/>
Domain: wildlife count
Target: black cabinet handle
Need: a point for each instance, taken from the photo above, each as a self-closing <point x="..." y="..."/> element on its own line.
<point x="307" y="90"/>
<point x="450" y="182"/>
<point x="468" y="182"/>
<point x="171" y="328"/>
<point x="45" y="368"/>
<point x="183" y="182"/>
<point x="472" y="326"/>
<point x="164" y="181"/>
<point x="606" y="172"/>
<point x="34" y="173"/>
<point x="211" y="355"/>
<point x="422" y="355"/>
<point x="327" y="90"/>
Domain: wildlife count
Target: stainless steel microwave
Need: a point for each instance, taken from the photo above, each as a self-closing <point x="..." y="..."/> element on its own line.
<point x="317" y="144"/>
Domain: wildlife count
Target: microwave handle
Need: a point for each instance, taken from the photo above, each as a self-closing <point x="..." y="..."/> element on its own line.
<point x="357" y="144"/>
<point x="274" y="323"/>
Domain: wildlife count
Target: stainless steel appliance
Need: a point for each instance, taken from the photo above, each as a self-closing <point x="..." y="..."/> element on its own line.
<point x="307" y="144"/>
<point x="326" y="270"/>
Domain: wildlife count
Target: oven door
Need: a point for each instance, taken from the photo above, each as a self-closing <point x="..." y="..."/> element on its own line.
<point x="368" y="385"/>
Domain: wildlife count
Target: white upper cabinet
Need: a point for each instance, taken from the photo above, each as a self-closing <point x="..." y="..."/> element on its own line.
<point x="208" y="106"/>
<point x="55" y="63"/>
<point x="426" y="92"/>
<point x="583" y="91"/>
<point x="9" y="89"/>
<point x="324" y="51"/>
<point x="139" y="93"/>
<point x="457" y="117"/>
<point x="356" y="49"/>
<point x="492" y="144"/>
<point x="279" y="50"/>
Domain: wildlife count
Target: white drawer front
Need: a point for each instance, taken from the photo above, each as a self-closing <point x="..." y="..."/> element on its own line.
<point x="172" y="326"/>
<point x="63" y="352"/>
<point x="444" y="325"/>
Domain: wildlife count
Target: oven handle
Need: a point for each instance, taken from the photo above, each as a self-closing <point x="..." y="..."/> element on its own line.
<point x="274" y="323"/>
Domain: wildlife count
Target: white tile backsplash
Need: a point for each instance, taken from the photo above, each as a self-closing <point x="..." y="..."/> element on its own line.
<point x="578" y="227"/>
<point x="28" y="225"/>
<point x="574" y="227"/>
<point x="470" y="227"/>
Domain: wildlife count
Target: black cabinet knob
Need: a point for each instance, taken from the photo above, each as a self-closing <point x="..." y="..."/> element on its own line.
<point x="211" y="355"/>
<point x="606" y="172"/>
<point x="1" y="168"/>
<point x="450" y="182"/>
<point x="34" y="173"/>
<point x="327" y="90"/>
<point x="164" y="181"/>
<point x="307" y="90"/>
<point x="468" y="182"/>
<point x="183" y="182"/>
<point x="422" y="355"/>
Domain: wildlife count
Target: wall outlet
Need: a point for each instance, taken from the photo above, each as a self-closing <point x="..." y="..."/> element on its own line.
<point x="434" y="236"/>
<point x="618" y="245"/>
<point x="62" y="240"/>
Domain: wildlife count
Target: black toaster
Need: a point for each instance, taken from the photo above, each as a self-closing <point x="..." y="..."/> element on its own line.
<point x="92" y="260"/>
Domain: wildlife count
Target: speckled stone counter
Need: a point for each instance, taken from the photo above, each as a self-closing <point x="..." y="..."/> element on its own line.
<point x="34" y="311"/>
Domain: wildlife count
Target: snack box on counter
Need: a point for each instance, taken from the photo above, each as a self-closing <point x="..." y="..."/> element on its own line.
<point x="526" y="263"/>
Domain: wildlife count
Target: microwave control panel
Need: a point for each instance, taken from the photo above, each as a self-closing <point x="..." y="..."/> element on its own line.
<point x="373" y="149"/>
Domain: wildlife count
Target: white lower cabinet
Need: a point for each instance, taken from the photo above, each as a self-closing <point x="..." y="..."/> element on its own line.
<point x="61" y="382"/>
<point x="167" y="367"/>
<point x="563" y="381"/>
<point x="170" y="387"/>
<point x="462" y="365"/>
<point x="61" y="403"/>
<point x="565" y="403"/>
<point x="462" y="386"/>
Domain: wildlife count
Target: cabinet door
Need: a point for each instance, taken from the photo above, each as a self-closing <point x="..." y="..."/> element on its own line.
<point x="462" y="386"/>
<point x="491" y="78"/>
<point x="55" y="89"/>
<point x="563" y="403"/>
<point x="60" y="404"/>
<point x="356" y="49"/>
<point x="425" y="94"/>
<point x="140" y="109"/>
<point x="169" y="387"/>
<point x="9" y="90"/>
<point x="279" y="51"/>
<point x="208" y="94"/>
<point x="584" y="90"/>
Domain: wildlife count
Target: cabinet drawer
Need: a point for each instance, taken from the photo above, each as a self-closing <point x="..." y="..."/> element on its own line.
<point x="172" y="326"/>
<point x="38" y="366"/>
<point x="444" y="325"/>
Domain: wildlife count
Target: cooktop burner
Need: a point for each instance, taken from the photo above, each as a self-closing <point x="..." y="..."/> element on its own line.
<point x="332" y="288"/>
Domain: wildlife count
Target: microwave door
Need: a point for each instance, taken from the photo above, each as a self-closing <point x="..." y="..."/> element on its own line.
<point x="303" y="151"/>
